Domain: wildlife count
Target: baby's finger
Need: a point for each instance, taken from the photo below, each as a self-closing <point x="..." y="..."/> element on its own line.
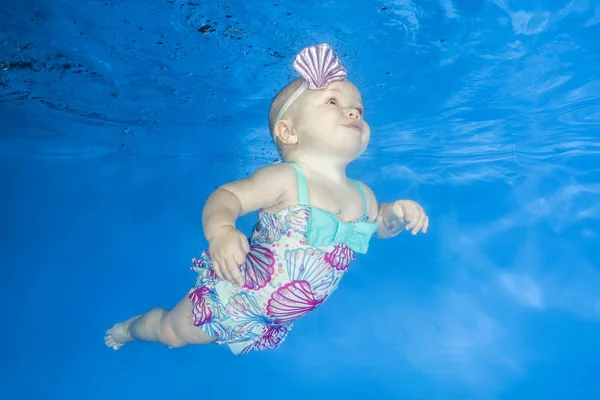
<point x="217" y="268"/>
<point x="224" y="269"/>
<point x="425" y="220"/>
<point x="422" y="219"/>
<point x="236" y="275"/>
<point x="245" y="246"/>
<point x="419" y="226"/>
<point x="424" y="223"/>
<point x="411" y="224"/>
<point x="416" y="227"/>
<point x="409" y="217"/>
<point x="412" y="218"/>
<point x="239" y="259"/>
<point x="232" y="269"/>
<point x="398" y="210"/>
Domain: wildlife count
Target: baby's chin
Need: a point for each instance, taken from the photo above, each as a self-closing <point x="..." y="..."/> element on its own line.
<point x="351" y="149"/>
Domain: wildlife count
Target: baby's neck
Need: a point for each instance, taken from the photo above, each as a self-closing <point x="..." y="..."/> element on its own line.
<point x="334" y="170"/>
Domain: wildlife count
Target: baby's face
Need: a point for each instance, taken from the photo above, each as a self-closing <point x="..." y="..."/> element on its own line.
<point x="332" y="119"/>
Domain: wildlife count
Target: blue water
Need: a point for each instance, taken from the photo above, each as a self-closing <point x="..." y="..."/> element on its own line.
<point x="118" y="118"/>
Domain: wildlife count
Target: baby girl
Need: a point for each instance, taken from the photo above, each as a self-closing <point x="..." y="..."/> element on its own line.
<point x="312" y="220"/>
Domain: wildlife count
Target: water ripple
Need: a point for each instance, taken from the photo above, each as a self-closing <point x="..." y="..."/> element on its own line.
<point x="448" y="99"/>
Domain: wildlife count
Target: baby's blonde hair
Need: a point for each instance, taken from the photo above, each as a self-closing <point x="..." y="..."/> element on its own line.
<point x="276" y="105"/>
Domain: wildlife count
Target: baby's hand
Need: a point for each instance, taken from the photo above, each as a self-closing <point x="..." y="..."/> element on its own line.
<point x="413" y="214"/>
<point x="228" y="250"/>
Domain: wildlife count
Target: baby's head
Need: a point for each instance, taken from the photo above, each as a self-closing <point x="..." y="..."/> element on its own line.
<point x="278" y="102"/>
<point x="325" y="119"/>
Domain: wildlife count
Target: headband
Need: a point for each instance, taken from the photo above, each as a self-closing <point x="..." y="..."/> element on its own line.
<point x="319" y="66"/>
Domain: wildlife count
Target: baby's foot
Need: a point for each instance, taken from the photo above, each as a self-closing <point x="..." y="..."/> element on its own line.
<point x="119" y="334"/>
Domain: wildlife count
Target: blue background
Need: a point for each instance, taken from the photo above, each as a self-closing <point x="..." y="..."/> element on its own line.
<point x="118" y="118"/>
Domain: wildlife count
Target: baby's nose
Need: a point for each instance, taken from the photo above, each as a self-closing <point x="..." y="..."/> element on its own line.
<point x="353" y="113"/>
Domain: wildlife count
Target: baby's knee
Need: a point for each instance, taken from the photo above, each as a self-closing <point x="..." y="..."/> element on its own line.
<point x="176" y="343"/>
<point x="169" y="336"/>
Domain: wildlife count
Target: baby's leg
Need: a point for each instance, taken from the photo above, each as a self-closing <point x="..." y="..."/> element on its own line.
<point x="174" y="328"/>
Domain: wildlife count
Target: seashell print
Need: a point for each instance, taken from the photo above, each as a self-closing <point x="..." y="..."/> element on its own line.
<point x="207" y="312"/>
<point x="202" y="313"/>
<point x="242" y="336"/>
<point x="320" y="66"/>
<point x="198" y="263"/>
<point x="248" y="349"/>
<point x="297" y="218"/>
<point x="203" y="266"/>
<point x="243" y="308"/>
<point x="341" y="257"/>
<point x="216" y="329"/>
<point x="271" y="337"/>
<point x="258" y="268"/>
<point x="291" y="301"/>
<point x="309" y="264"/>
<point x="269" y="228"/>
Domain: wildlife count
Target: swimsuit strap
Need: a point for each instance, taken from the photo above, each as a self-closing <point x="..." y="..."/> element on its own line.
<point x="363" y="197"/>
<point x="302" y="186"/>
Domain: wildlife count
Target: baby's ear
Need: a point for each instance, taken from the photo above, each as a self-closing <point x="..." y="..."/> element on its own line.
<point x="285" y="132"/>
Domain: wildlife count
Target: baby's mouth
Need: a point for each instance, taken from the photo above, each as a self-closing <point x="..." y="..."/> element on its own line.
<point x="355" y="125"/>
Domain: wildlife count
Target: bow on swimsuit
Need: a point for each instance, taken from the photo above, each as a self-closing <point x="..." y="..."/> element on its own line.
<point x="324" y="228"/>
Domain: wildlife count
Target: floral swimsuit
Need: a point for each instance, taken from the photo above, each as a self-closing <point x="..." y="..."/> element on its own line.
<point x="286" y="275"/>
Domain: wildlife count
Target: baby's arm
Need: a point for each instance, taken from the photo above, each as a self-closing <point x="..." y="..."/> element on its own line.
<point x="402" y="215"/>
<point x="228" y="246"/>
<point x="389" y="224"/>
<point x="394" y="217"/>
<point x="235" y="199"/>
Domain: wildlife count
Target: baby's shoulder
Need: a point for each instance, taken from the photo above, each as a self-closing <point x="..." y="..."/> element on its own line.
<point x="280" y="178"/>
<point x="366" y="189"/>
<point x="276" y="174"/>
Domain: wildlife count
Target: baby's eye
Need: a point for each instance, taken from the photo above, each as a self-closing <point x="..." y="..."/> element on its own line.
<point x="332" y="101"/>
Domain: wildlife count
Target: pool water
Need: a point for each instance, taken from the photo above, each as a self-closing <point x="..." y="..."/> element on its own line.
<point x="118" y="119"/>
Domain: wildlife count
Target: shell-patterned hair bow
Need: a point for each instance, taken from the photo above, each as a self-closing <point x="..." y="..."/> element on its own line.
<point x="319" y="66"/>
